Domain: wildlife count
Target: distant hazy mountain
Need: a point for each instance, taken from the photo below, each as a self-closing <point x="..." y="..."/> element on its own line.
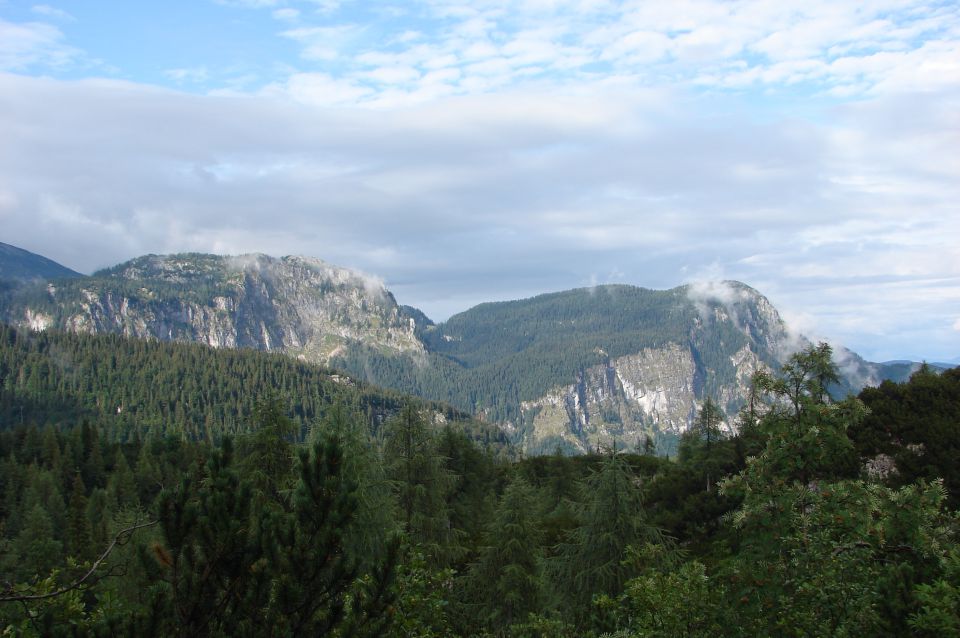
<point x="572" y="369"/>
<point x="21" y="265"/>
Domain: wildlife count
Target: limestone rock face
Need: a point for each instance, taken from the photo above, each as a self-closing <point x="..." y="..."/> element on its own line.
<point x="731" y="332"/>
<point x="623" y="401"/>
<point x="607" y="365"/>
<point x="620" y="401"/>
<point x="295" y="305"/>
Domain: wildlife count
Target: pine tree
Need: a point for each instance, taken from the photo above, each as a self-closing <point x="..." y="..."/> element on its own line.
<point x="421" y="484"/>
<point x="506" y="581"/>
<point x="307" y="551"/>
<point x="121" y="486"/>
<point x="38" y="549"/>
<point x="79" y="533"/>
<point x="209" y="560"/>
<point x="610" y="519"/>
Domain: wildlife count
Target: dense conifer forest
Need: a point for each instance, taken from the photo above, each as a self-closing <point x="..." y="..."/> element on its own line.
<point x="174" y="490"/>
<point x="137" y="388"/>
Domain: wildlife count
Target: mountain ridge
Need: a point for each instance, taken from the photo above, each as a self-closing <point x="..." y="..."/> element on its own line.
<point x="19" y="265"/>
<point x="569" y="369"/>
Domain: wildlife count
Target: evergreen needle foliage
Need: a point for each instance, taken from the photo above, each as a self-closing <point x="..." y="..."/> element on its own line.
<point x="342" y="511"/>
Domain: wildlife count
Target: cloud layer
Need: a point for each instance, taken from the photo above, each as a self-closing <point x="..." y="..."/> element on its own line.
<point x="469" y="152"/>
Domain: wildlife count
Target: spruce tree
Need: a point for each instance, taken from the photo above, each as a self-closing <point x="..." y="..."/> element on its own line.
<point x="709" y="421"/>
<point x="421" y="484"/>
<point x="51" y="448"/>
<point x="38" y="549"/>
<point x="374" y="521"/>
<point x="470" y="506"/>
<point x="149" y="478"/>
<point x="100" y="514"/>
<point x="79" y="533"/>
<point x="506" y="581"/>
<point x="122" y="486"/>
<point x="42" y="489"/>
<point x="266" y="453"/>
<point x="610" y="518"/>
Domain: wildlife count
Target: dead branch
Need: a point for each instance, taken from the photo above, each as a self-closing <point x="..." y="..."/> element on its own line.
<point x="121" y="538"/>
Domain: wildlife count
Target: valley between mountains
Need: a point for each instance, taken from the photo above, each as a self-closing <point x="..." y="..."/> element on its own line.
<point x="567" y="371"/>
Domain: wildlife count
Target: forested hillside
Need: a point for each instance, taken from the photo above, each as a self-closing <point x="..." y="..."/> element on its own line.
<point x="136" y="388"/>
<point x="603" y="365"/>
<point x="786" y="529"/>
<point x="571" y="370"/>
<point x="509" y="352"/>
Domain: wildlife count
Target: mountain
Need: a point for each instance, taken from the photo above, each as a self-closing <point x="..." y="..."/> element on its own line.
<point x="592" y="366"/>
<point x="568" y="370"/>
<point x="604" y="365"/>
<point x="296" y="305"/>
<point x="21" y="265"/>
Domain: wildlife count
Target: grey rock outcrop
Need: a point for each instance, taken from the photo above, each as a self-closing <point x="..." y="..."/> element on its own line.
<point x="296" y="305"/>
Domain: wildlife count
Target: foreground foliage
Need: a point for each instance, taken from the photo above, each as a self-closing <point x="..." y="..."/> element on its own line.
<point x="407" y="528"/>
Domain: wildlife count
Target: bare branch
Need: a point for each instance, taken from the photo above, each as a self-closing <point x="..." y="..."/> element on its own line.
<point x="122" y="537"/>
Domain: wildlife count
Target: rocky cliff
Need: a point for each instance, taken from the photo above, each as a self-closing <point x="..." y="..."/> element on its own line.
<point x="651" y="393"/>
<point x="300" y="306"/>
<point x="733" y="332"/>
<point x="575" y="369"/>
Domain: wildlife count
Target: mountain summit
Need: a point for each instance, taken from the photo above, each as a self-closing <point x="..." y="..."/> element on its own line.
<point x="297" y="305"/>
<point x="593" y="366"/>
<point x="568" y="370"/>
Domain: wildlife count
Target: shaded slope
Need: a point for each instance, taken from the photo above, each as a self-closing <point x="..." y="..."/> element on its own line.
<point x="17" y="264"/>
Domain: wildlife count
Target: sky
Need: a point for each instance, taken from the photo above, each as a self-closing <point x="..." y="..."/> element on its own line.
<point x="487" y="150"/>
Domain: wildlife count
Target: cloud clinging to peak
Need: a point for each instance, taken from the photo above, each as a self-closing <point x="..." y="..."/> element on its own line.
<point x="488" y="150"/>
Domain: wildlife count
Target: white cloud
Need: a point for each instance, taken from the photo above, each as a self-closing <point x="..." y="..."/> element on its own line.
<point x="719" y="291"/>
<point x="25" y="45"/>
<point x="51" y="12"/>
<point x="325" y="6"/>
<point x="188" y="75"/>
<point x="324" y="43"/>
<point x="320" y="89"/>
<point x="287" y="14"/>
<point x="397" y="74"/>
<point x="249" y="4"/>
<point x="498" y="149"/>
<point x="844" y="48"/>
